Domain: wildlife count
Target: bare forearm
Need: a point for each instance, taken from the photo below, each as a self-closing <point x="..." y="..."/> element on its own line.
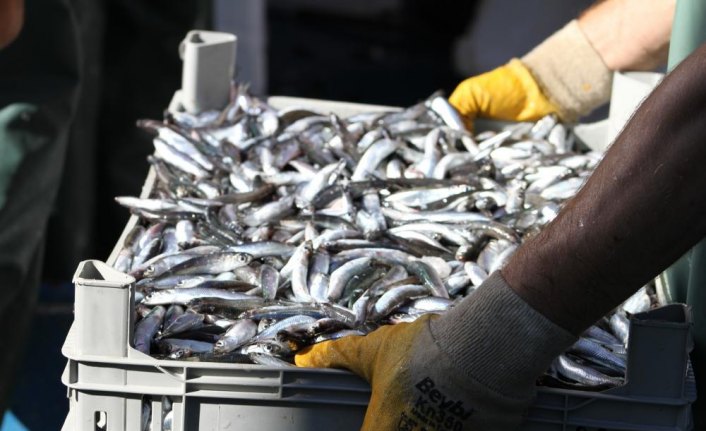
<point x="642" y="208"/>
<point x="630" y="34"/>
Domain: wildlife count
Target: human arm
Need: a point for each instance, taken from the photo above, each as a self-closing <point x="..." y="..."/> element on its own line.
<point x="11" y="19"/>
<point x="641" y="209"/>
<point x="630" y="34"/>
<point x="570" y="73"/>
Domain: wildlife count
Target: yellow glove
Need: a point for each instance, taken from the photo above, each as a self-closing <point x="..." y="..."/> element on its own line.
<point x="506" y="93"/>
<point x="402" y="397"/>
<point x="473" y="368"/>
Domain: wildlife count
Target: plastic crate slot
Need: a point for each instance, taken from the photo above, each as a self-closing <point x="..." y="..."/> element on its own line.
<point x="166" y="405"/>
<point x="152" y="376"/>
<point x="335" y="396"/>
<point x="345" y="381"/>
<point x="193" y="374"/>
<point x="245" y="389"/>
<point x="234" y="381"/>
<point x="100" y="421"/>
<point x="176" y="373"/>
<point x="233" y="394"/>
<point x="144" y="421"/>
<point x="328" y="386"/>
<point x="101" y="374"/>
<point x="72" y="367"/>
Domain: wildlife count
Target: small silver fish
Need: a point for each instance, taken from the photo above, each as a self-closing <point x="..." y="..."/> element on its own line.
<point x="146" y="329"/>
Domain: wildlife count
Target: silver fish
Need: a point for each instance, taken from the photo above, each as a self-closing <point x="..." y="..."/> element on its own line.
<point x="213" y="263"/>
<point x="268" y="360"/>
<point x="428" y="275"/>
<point x="300" y="287"/>
<point x="270" y="212"/>
<point x="178" y="348"/>
<point x="583" y="374"/>
<point x="318" y="278"/>
<point x="173" y="312"/>
<point x="146" y="329"/>
<point x="183" y="323"/>
<point x="620" y="326"/>
<point x="178" y="159"/>
<point x="341" y="276"/>
<point x="124" y="260"/>
<point x="373" y="157"/>
<point x="420" y="198"/>
<point x="599" y="354"/>
<point x="395" y="297"/>
<point x="269" y="281"/>
<point x="240" y="333"/>
<point x="283" y="325"/>
<point x="184" y="296"/>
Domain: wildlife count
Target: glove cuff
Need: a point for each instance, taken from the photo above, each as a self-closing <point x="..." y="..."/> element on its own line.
<point x="499" y="340"/>
<point x="570" y="72"/>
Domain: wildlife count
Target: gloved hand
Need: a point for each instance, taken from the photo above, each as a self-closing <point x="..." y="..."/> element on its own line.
<point x="414" y="387"/>
<point x="473" y="368"/>
<point x="509" y="92"/>
<point x="564" y="75"/>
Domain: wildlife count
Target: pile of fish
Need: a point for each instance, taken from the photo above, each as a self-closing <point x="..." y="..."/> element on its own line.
<point x="270" y="230"/>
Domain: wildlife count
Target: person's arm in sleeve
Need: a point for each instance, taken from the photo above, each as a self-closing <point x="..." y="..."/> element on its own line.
<point x="570" y="73"/>
<point x="11" y="20"/>
<point x="474" y="367"/>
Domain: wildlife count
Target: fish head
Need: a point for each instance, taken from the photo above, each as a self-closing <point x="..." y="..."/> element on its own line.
<point x="149" y="271"/>
<point x="243" y="258"/>
<point x="179" y="354"/>
<point x="220" y="346"/>
<point x="271" y="348"/>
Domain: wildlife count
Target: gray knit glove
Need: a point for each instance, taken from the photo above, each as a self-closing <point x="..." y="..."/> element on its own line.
<point x="473" y="368"/>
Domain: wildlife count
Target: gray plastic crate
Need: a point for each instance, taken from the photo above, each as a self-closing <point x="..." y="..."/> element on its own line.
<point x="107" y="379"/>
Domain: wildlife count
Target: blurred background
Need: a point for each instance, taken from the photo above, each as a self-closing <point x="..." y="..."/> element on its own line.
<point x="390" y="52"/>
